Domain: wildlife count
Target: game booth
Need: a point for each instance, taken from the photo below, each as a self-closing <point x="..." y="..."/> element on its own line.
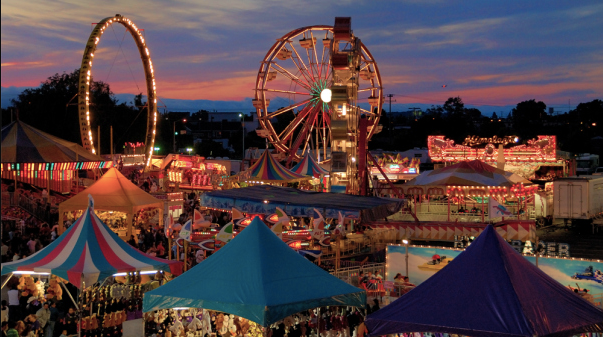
<point x="109" y="274"/>
<point x="35" y="157"/>
<point x="116" y="196"/>
<point x="255" y="295"/>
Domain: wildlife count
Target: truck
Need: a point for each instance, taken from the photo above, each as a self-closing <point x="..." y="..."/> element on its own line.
<point x="586" y="163"/>
<point x="578" y="200"/>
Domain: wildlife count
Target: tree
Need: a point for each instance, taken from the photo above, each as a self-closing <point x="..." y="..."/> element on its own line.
<point x="52" y="108"/>
<point x="454" y="106"/>
<point x="527" y="118"/>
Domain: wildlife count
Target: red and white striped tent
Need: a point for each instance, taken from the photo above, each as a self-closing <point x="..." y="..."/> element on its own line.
<point x="88" y="252"/>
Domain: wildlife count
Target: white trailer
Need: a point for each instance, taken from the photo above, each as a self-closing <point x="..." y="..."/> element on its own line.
<point x="578" y="198"/>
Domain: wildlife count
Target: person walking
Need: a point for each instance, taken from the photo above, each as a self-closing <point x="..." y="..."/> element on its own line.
<point x="52" y="320"/>
<point x="43" y="315"/>
<point x="14" y="311"/>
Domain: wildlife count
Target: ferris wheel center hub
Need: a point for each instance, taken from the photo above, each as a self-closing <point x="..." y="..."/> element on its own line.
<point x="325" y="95"/>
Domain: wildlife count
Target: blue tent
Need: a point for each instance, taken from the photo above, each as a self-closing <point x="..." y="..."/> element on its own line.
<point x="489" y="290"/>
<point x="256" y="276"/>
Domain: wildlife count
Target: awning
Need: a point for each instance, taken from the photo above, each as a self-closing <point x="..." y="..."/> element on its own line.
<point x="264" y="199"/>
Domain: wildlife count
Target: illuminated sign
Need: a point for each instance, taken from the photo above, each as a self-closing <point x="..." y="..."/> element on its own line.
<point x="475" y="140"/>
<point x="541" y="149"/>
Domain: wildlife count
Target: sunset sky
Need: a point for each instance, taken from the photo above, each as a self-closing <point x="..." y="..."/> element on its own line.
<point x="495" y="53"/>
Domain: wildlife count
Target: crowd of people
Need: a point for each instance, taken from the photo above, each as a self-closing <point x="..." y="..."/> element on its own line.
<point x="330" y="321"/>
<point x="37" y="313"/>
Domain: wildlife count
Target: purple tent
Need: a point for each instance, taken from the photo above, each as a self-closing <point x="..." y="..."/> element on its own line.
<point x="489" y="290"/>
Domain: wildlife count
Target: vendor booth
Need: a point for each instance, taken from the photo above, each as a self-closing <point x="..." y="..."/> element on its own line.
<point x="488" y="290"/>
<point x="113" y="192"/>
<point x="463" y="192"/>
<point x="35" y="157"/>
<point x="88" y="254"/>
<point x="269" y="282"/>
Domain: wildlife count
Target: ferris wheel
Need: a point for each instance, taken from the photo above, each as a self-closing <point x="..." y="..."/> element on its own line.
<point x="297" y="69"/>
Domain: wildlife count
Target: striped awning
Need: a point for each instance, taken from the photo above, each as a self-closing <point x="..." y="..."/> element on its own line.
<point x="88" y="252"/>
<point x="309" y="167"/>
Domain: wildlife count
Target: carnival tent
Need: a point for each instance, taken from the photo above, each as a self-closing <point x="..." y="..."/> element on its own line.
<point x="268" y="170"/>
<point x="467" y="173"/>
<point x="22" y="143"/>
<point x="264" y="199"/>
<point x="112" y="192"/>
<point x="308" y="167"/>
<point x="87" y="252"/>
<point x="489" y="290"/>
<point x="256" y="276"/>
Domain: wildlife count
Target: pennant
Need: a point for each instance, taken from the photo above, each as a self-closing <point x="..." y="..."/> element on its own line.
<point x="186" y="231"/>
<point x="278" y="230"/>
<point x="495" y="209"/>
<point x="236" y="214"/>
<point x="226" y="233"/>
<point x="282" y="216"/>
<point x="199" y="221"/>
<point x="319" y="226"/>
<point x="340" y="229"/>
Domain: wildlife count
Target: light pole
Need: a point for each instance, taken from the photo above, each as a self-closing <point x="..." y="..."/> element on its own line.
<point x="174" y="125"/>
<point x="405" y="242"/>
<point x="243" y="125"/>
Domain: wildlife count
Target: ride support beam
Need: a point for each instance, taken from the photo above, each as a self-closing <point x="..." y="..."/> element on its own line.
<point x="362" y="149"/>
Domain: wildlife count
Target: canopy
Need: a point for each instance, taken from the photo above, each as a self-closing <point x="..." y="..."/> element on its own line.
<point x="308" y="167"/>
<point x="267" y="169"/>
<point x="489" y="290"/>
<point x="112" y="192"/>
<point x="256" y="276"/>
<point x="89" y="251"/>
<point x="467" y="173"/>
<point x="22" y="143"/>
<point x="264" y="199"/>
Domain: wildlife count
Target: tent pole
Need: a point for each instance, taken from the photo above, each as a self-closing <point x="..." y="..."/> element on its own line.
<point x="68" y="293"/>
<point x="6" y="281"/>
<point x="80" y="307"/>
<point x="483" y="217"/>
<point x="448" y="208"/>
<point x="129" y="229"/>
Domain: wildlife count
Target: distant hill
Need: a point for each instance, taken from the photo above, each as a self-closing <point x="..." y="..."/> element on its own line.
<point x="245" y="105"/>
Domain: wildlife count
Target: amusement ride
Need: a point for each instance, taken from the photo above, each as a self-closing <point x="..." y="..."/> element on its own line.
<point x="320" y="86"/>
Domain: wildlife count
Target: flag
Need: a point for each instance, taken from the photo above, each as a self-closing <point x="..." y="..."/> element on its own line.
<point x="236" y="214"/>
<point x="278" y="229"/>
<point x="319" y="226"/>
<point x="339" y="229"/>
<point x="168" y="223"/>
<point x="282" y="216"/>
<point x="186" y="231"/>
<point x="495" y="209"/>
<point x="226" y="233"/>
<point x="199" y="221"/>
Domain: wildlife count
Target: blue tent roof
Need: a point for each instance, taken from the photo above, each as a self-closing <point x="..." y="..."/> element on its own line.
<point x="302" y="203"/>
<point x="489" y="290"/>
<point x="256" y="276"/>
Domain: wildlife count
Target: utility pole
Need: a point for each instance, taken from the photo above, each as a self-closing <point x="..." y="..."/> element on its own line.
<point x="390" y="102"/>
